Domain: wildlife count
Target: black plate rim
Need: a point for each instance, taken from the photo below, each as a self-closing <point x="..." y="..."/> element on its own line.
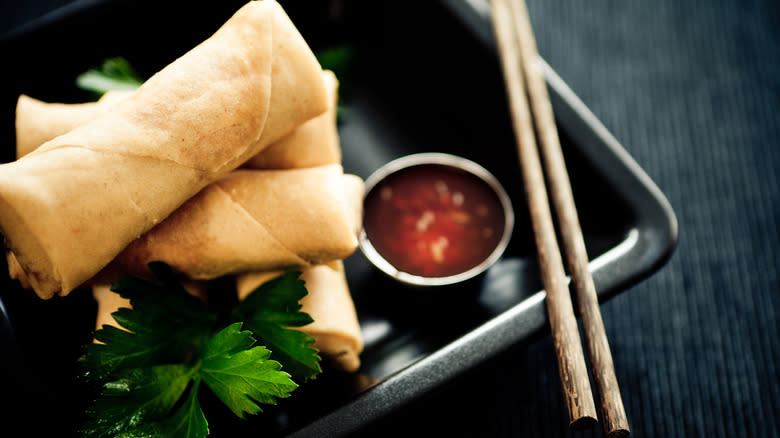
<point x="645" y="249"/>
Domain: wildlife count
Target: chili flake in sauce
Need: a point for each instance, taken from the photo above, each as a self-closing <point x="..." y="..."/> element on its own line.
<point x="433" y="220"/>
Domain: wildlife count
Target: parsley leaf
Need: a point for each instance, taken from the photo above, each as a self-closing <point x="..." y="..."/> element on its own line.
<point x="149" y="374"/>
<point x="139" y="396"/>
<point x="188" y="421"/>
<point x="338" y="59"/>
<point x="113" y="74"/>
<point x="240" y="376"/>
<point x="268" y="312"/>
<point x="165" y="324"/>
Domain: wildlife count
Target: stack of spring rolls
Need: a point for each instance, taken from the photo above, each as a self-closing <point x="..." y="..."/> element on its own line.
<point x="226" y="162"/>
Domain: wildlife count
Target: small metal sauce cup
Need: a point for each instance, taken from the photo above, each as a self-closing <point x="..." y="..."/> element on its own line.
<point x="442" y="159"/>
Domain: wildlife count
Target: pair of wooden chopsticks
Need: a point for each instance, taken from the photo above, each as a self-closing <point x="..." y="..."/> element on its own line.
<point x="529" y="103"/>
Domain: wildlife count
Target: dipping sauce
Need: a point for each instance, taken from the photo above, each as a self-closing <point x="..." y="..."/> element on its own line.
<point x="434" y="220"/>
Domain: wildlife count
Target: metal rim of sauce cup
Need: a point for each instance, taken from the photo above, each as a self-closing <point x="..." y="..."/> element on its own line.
<point x="442" y="159"/>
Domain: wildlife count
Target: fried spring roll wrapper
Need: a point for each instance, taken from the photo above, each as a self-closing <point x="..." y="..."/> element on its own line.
<point x="336" y="329"/>
<point x="200" y="210"/>
<point x="108" y="302"/>
<point x="38" y="122"/>
<point x="313" y="143"/>
<point x="254" y="220"/>
<point x="15" y="271"/>
<point x="69" y="207"/>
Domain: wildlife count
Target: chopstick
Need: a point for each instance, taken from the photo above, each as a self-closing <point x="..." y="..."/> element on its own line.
<point x="522" y="73"/>
<point x="563" y="325"/>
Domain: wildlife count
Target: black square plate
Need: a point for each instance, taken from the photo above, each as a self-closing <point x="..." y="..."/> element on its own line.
<point x="422" y="77"/>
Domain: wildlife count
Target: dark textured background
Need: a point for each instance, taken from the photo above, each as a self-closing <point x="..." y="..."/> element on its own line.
<point x="692" y="91"/>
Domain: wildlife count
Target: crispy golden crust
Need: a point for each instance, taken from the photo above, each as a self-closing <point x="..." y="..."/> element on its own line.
<point x="72" y="205"/>
<point x="314" y="143"/>
<point x="252" y="220"/>
<point x="38" y="122"/>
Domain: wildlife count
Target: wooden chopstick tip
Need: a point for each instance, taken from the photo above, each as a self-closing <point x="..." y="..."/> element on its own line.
<point x="583" y="423"/>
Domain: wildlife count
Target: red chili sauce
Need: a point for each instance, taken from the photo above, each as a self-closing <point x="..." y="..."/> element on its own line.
<point x="433" y="220"/>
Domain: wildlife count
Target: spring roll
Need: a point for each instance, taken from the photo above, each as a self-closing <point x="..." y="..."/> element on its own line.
<point x="254" y="220"/>
<point x="69" y="207"/>
<point x="336" y="329"/>
<point x="313" y="143"/>
<point x="248" y="220"/>
<point x="329" y="151"/>
<point x="38" y="122"/>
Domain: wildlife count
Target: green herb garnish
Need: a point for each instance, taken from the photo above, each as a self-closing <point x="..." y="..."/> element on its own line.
<point x="268" y="312"/>
<point x="115" y="74"/>
<point x="150" y="374"/>
<point x="339" y="60"/>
